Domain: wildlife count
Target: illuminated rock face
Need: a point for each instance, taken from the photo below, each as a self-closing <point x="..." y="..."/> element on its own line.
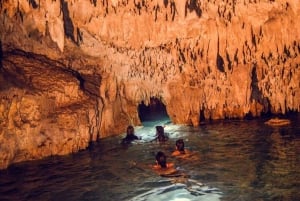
<point x="73" y="71"/>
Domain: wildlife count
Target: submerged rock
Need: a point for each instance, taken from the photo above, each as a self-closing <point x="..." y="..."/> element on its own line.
<point x="278" y="122"/>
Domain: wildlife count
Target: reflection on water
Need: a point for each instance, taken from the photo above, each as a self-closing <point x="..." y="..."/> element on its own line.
<point x="188" y="191"/>
<point x="237" y="160"/>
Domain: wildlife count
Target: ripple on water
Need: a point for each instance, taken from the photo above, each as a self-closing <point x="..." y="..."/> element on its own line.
<point x="245" y="160"/>
<point x="188" y="191"/>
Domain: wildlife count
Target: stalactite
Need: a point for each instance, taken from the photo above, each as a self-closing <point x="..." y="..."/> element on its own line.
<point x="215" y="58"/>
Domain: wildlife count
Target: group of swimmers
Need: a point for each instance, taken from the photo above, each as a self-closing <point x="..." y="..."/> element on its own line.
<point x="130" y="135"/>
<point x="162" y="166"/>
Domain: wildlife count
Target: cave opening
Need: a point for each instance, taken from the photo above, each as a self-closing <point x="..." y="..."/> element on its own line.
<point x="154" y="112"/>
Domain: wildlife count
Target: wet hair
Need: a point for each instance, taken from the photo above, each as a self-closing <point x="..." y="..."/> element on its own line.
<point x="159" y="130"/>
<point x="180" y="145"/>
<point x="130" y="130"/>
<point x="161" y="159"/>
<point x="160" y="133"/>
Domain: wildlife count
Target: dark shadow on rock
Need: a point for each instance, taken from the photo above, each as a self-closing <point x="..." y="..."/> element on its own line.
<point x="220" y="63"/>
<point x="257" y="95"/>
<point x="1" y="55"/>
<point x="68" y="24"/>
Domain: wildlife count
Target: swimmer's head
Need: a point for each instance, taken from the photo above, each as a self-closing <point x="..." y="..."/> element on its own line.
<point x="180" y="145"/>
<point x="161" y="159"/>
<point x="159" y="130"/>
<point x="130" y="130"/>
<point x="160" y="134"/>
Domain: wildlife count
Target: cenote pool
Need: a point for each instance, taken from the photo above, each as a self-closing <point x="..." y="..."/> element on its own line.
<point x="234" y="161"/>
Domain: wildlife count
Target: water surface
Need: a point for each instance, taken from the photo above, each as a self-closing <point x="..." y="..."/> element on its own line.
<point x="234" y="161"/>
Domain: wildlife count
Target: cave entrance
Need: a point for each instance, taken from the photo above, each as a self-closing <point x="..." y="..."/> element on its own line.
<point x="154" y="113"/>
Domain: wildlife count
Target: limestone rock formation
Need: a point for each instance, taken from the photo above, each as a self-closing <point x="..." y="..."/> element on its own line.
<point x="74" y="71"/>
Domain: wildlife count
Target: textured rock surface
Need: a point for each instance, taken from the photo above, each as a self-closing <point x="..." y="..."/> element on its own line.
<point x="73" y="71"/>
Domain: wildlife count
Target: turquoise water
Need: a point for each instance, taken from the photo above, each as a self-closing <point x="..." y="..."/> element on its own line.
<point x="233" y="161"/>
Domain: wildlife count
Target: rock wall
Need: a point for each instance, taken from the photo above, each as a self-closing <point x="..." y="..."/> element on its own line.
<point x="74" y="71"/>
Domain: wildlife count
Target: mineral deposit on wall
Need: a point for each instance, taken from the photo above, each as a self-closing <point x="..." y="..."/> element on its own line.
<point x="73" y="71"/>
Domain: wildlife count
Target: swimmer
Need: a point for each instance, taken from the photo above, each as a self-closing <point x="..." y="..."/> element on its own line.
<point x="162" y="167"/>
<point x="130" y="136"/>
<point x="181" y="151"/>
<point x="160" y="134"/>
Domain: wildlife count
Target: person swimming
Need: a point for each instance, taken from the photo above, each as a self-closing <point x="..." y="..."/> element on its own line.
<point x="161" y="163"/>
<point x="130" y="135"/>
<point x="165" y="169"/>
<point x="161" y="166"/>
<point x="161" y="159"/>
<point x="180" y="149"/>
<point x="160" y="134"/>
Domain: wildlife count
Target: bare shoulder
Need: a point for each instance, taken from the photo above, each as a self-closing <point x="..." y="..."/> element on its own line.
<point x="176" y="153"/>
<point x="156" y="167"/>
<point x="188" y="155"/>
